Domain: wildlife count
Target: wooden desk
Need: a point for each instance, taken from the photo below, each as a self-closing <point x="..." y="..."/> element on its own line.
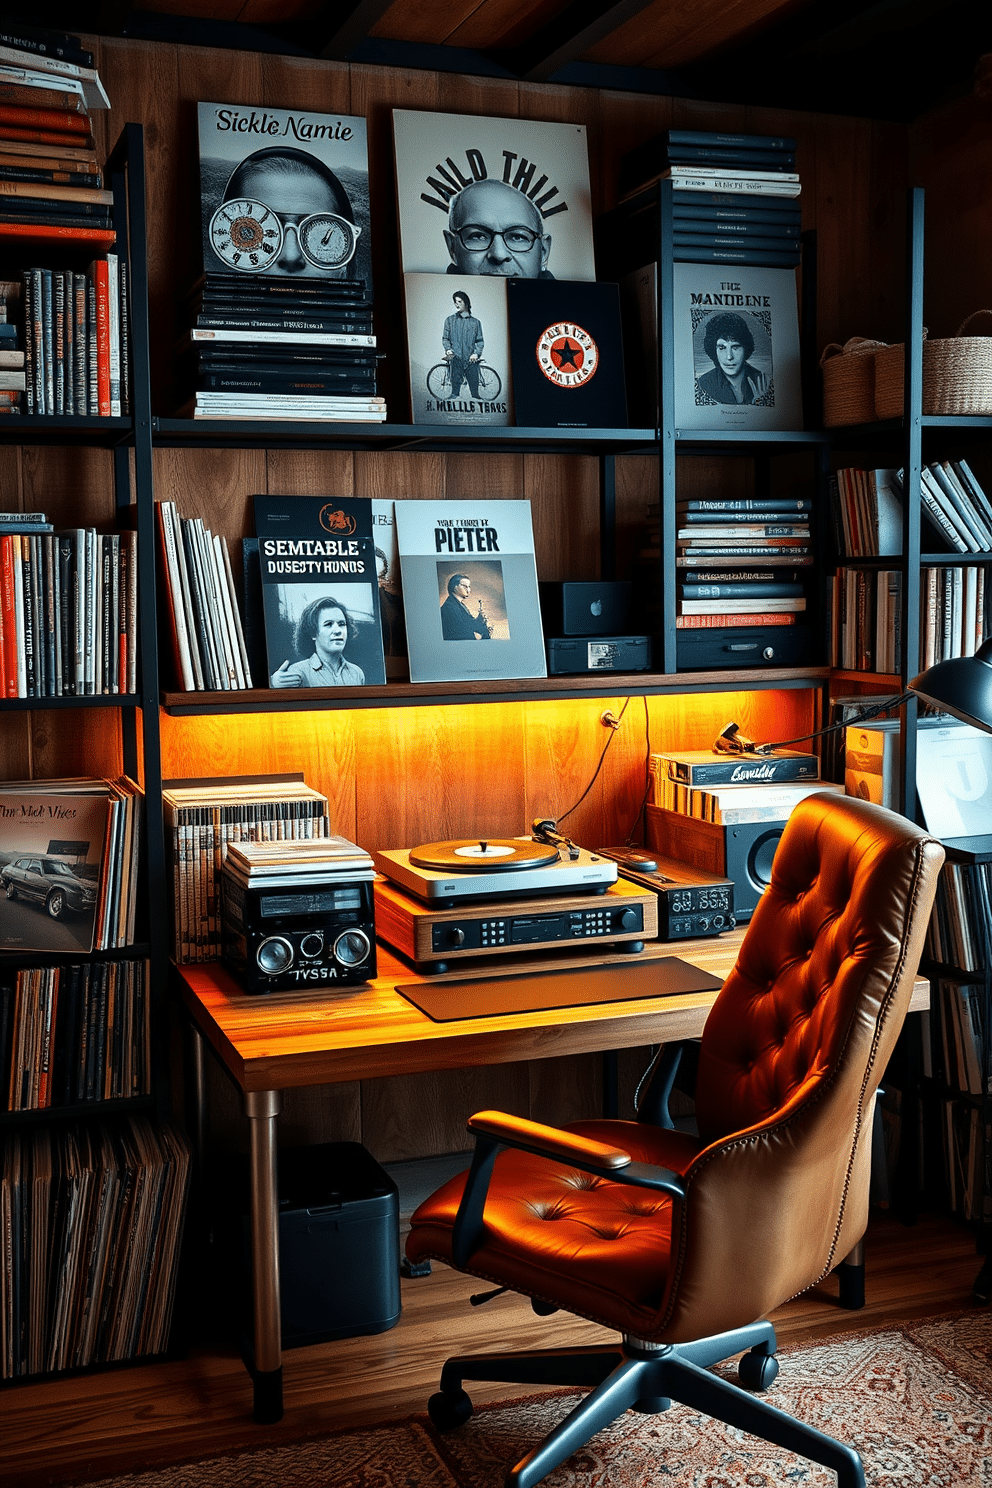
<point x="281" y="1041"/>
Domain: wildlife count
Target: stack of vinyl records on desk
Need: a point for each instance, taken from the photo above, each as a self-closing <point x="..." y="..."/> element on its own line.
<point x="734" y="196"/>
<point x="267" y="347"/>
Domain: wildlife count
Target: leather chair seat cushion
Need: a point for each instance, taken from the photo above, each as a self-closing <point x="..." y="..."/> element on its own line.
<point x="552" y="1231"/>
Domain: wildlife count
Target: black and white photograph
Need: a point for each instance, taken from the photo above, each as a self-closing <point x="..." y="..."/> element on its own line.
<point x="496" y="198"/>
<point x="284" y="191"/>
<point x="470" y="590"/>
<point x="736" y="348"/>
<point x="458" y="349"/>
<point x="320" y="591"/>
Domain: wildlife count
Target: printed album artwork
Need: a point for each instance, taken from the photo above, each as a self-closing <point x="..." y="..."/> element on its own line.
<point x="284" y="191"/>
<point x="736" y="348"/>
<point x="567" y="354"/>
<point x="320" y="591"/>
<point x="51" y="849"/>
<point x="387" y="562"/>
<point x="502" y="198"/>
<point x="470" y="590"/>
<point x="459" y="349"/>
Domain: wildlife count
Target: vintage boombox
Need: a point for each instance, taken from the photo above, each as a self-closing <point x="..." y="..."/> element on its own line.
<point x="298" y="915"/>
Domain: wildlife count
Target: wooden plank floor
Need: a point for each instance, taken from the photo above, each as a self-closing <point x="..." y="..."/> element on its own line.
<point x="79" y="1429"/>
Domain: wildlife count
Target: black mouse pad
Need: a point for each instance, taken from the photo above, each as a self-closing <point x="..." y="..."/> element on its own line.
<point x="537" y="992"/>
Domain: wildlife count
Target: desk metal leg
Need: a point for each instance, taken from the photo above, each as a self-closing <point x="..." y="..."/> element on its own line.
<point x="263" y="1107"/>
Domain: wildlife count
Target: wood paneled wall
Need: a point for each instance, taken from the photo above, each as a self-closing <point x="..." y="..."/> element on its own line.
<point x="399" y="777"/>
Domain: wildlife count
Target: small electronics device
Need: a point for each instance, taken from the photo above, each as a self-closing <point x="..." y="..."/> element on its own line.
<point x="298" y="914"/>
<point x="691" y="902"/>
<point x="487" y="868"/>
<point x="604" y="653"/>
<point x="584" y="607"/>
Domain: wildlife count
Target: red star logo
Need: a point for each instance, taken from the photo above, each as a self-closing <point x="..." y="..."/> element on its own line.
<point x="566" y="356"/>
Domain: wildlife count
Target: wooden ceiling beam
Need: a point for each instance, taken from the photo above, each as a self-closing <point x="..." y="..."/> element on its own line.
<point x="577" y="28"/>
<point x="334" y="36"/>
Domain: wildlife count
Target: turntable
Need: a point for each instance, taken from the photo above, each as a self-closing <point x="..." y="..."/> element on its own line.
<point x="527" y="894"/>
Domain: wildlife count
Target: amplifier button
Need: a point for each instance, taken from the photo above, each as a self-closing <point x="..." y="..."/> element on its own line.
<point x="455" y="937"/>
<point x="630" y="920"/>
<point x="311" y="945"/>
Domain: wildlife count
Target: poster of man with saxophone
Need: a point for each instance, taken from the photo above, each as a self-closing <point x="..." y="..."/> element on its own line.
<point x="463" y="617"/>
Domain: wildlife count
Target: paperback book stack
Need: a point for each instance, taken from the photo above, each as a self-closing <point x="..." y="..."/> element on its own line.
<point x="68" y="607"/>
<point x="734" y="196"/>
<point x="75" y="1034"/>
<point x="734" y="790"/>
<point x="282" y="315"/>
<point x="96" y="1212"/>
<point x="739" y="562"/>
<point x="204" y="620"/>
<point x="202" y="818"/>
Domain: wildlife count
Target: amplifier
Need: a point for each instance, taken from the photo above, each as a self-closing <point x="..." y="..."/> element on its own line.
<point x="742" y="853"/>
<point x="625" y="915"/>
<point x="612" y="653"/>
<point x="691" y="902"/>
<point x="584" y="608"/>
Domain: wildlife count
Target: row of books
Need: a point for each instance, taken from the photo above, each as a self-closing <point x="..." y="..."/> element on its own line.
<point x="270" y="346"/>
<point x="68" y="609"/>
<point x="92" y="1216"/>
<point x="205" y="620"/>
<point x="76" y="339"/>
<point x="867" y="507"/>
<point x="864" y="616"/>
<point x="75" y="1034"/>
<point x="733" y="195"/>
<point x="201" y="819"/>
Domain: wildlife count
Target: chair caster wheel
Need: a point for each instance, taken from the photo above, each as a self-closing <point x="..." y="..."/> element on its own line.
<point x="757" y="1371"/>
<point x="448" y="1411"/>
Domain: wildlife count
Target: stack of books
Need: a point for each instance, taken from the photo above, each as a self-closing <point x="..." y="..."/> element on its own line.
<point x="864" y="615"/>
<point x="203" y="818"/>
<point x="867" y="507"/>
<point x="739" y="562"/>
<point x="267" y="346"/>
<point x="208" y="639"/>
<point x="733" y="195"/>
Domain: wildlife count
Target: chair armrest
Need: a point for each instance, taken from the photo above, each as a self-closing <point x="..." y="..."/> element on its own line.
<point x="494" y="1129"/>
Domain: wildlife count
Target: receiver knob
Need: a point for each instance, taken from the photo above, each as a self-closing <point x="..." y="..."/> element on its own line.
<point x="312" y="944"/>
<point x="629" y="920"/>
<point x="455" y="937"/>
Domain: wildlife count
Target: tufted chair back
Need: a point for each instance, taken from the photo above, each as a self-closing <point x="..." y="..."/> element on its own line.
<point x="790" y="1061"/>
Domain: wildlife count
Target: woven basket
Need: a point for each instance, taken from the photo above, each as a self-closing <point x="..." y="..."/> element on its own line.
<point x="957" y="374"/>
<point x="849" y="381"/>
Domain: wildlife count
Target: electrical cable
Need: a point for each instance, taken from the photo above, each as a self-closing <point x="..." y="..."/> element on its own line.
<point x="602" y="757"/>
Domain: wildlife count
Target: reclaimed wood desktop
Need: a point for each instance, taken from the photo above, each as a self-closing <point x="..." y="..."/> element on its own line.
<point x="281" y="1041"/>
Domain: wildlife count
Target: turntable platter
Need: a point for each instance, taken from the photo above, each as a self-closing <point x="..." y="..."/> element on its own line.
<point x="483" y="855"/>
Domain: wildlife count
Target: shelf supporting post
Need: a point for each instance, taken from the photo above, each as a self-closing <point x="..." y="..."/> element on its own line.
<point x="912" y="464"/>
<point x="666" y="415"/>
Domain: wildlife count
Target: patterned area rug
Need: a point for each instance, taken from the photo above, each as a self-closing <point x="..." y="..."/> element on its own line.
<point x="916" y="1401"/>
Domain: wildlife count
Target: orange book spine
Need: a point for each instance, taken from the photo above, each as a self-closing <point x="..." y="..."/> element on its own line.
<point x="44" y="118"/>
<point x="8" y="614"/>
<point x="713" y="622"/>
<point x="44" y="136"/>
<point x="98" y="236"/>
<point x="101" y="276"/>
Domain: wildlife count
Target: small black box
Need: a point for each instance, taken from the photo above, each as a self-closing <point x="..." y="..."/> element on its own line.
<point x="597" y="608"/>
<point x="612" y="653"/>
<point x="743" y="646"/>
<point x="339" y="1249"/>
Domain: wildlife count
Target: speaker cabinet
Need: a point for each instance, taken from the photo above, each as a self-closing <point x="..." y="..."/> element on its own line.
<point x="743" y="854"/>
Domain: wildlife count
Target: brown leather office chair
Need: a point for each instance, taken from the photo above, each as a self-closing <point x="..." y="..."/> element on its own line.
<point x="683" y="1243"/>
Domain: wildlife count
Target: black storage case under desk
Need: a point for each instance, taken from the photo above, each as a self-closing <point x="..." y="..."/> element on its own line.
<point x="339" y="1250"/>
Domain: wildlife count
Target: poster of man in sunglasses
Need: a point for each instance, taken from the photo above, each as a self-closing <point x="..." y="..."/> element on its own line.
<point x="284" y="192"/>
<point x="503" y="198"/>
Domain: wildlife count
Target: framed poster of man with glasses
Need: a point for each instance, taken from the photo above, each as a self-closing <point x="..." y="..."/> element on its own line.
<point x="503" y="198"/>
<point x="284" y="192"/>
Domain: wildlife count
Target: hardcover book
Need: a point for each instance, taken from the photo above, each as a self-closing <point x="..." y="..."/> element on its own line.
<point x="459" y="351"/>
<point x="496" y="197"/>
<point x="284" y="191"/>
<point x="320" y="592"/>
<point x="470" y="590"/>
<point x="51" y="854"/>
<point x="567" y="355"/>
<point x="736" y="348"/>
<point x="704" y="767"/>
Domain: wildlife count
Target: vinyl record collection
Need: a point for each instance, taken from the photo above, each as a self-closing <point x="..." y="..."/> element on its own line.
<point x="75" y="1034"/>
<point x="92" y="1216"/>
<point x="867" y="509"/>
<point x="864" y="615"/>
<point x="205" y="629"/>
<point x="68" y="606"/>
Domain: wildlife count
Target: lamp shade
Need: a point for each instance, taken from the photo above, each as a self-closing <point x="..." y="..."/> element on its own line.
<point x="962" y="686"/>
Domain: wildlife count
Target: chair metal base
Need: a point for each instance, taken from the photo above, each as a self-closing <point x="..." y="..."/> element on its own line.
<point x="627" y="1376"/>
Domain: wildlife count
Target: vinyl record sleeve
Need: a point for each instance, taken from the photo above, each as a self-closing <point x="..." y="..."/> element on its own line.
<point x="442" y="342"/>
<point x="491" y="545"/>
<point x="751" y="314"/>
<point x="313" y="549"/>
<point x="567" y="354"/>
<point x="309" y="174"/>
<point x="51" y="844"/>
<point x="440" y="156"/>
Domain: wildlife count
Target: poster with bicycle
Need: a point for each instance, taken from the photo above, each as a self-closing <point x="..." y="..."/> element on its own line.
<point x="459" y="351"/>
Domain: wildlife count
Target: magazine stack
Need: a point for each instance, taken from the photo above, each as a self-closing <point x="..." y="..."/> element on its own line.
<point x="62" y="328"/>
<point x="281" y="319"/>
